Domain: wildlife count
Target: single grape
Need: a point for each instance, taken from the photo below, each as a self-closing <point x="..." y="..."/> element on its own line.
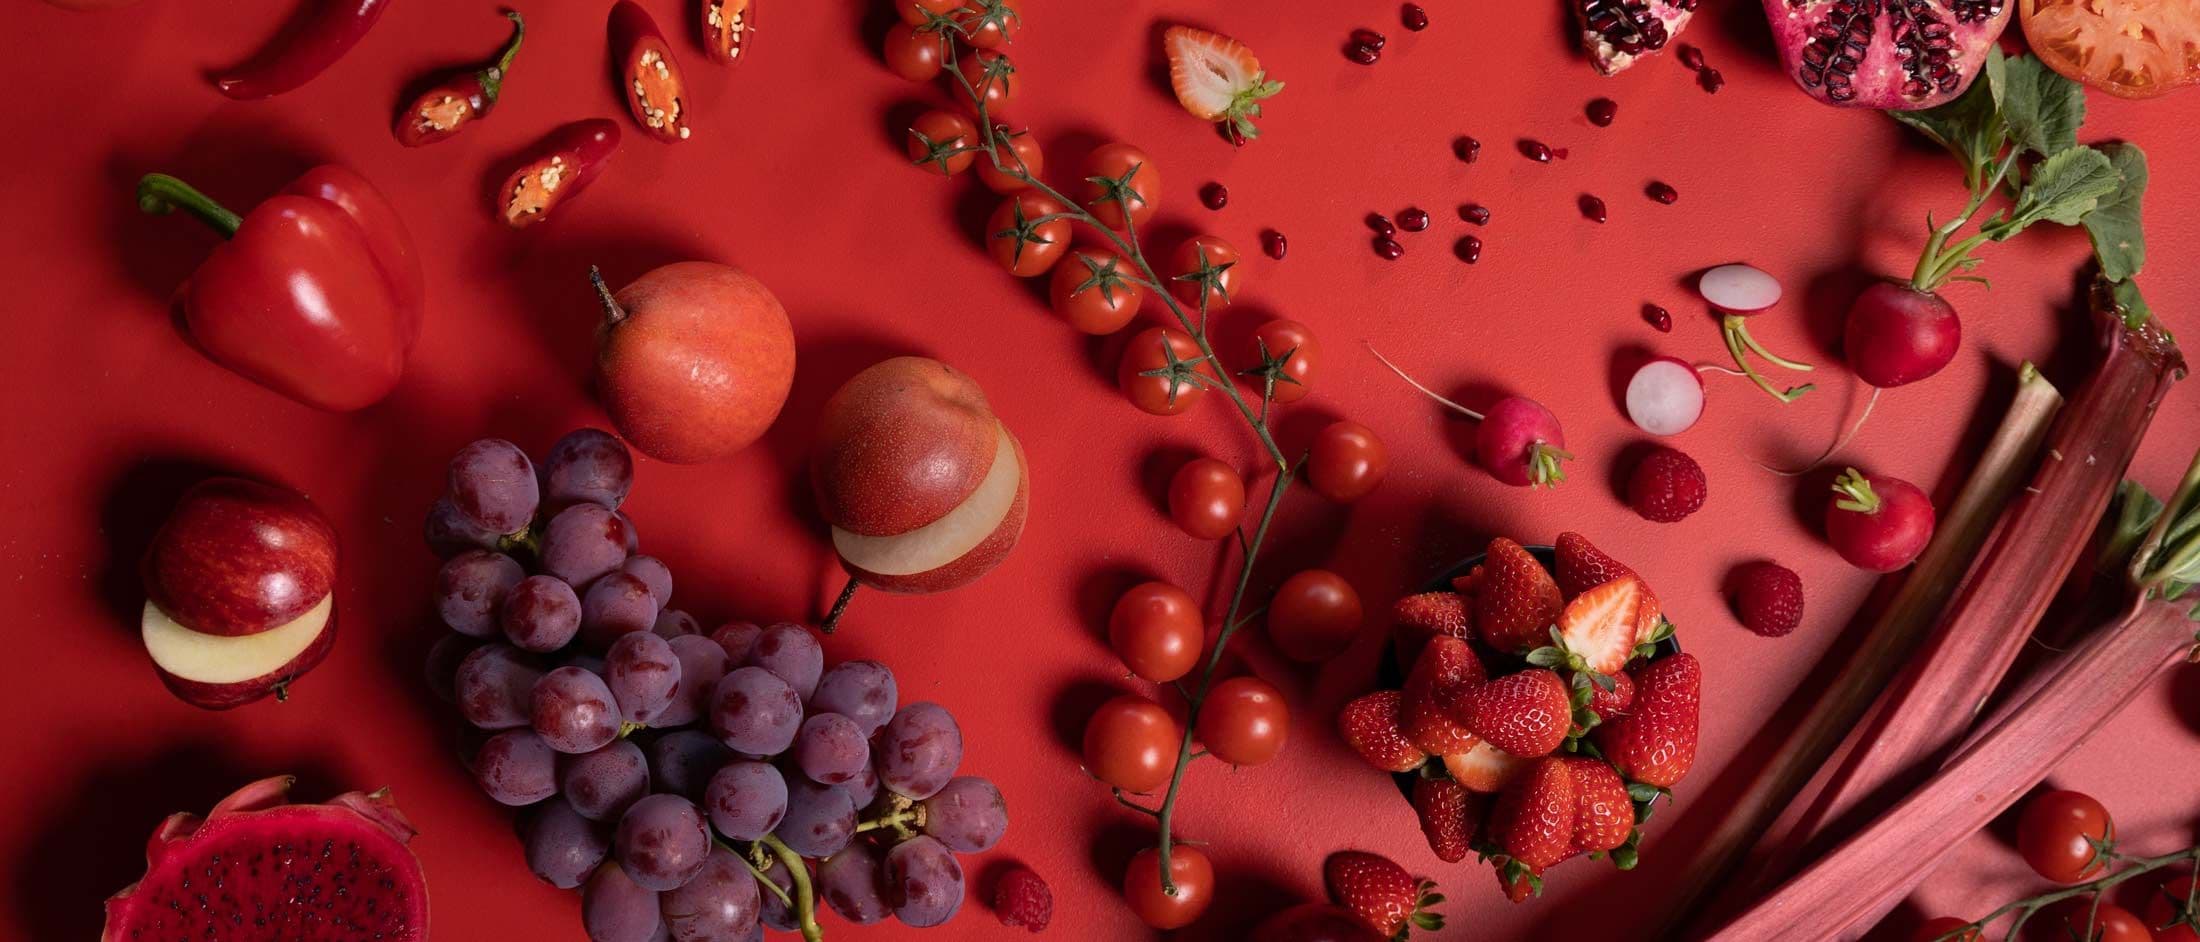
<point x="969" y="815"/>
<point x="444" y="657"/>
<point x="470" y="591"/>
<point x="830" y="748"/>
<point x="495" y="687"/>
<point x="739" y="640"/>
<point x="617" y="908"/>
<point x="754" y="712"/>
<point x="662" y="842"/>
<point x="563" y="848"/>
<point x="863" y="789"/>
<point x="633" y="540"/>
<point x="682" y="762"/>
<point x="602" y="784"/>
<point x="719" y="905"/>
<point x="702" y="664"/>
<point x="746" y="799"/>
<point x="582" y="542"/>
<point x="541" y="614"/>
<point x="516" y="768"/>
<point x="449" y="533"/>
<point x="790" y="651"/>
<point x="614" y="606"/>
<point x="820" y="819"/>
<point x="918" y="750"/>
<point x="774" y="912"/>
<point x="493" y="484"/>
<point x="862" y="691"/>
<point x="653" y="573"/>
<point x="573" y="711"/>
<point x="672" y="623"/>
<point x="587" y="465"/>
<point x="924" y="882"/>
<point x="644" y="676"/>
<point x="852" y="884"/>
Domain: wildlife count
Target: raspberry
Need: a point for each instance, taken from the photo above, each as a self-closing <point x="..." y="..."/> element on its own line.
<point x="1022" y="899"/>
<point x="1666" y="486"/>
<point x="1767" y="597"/>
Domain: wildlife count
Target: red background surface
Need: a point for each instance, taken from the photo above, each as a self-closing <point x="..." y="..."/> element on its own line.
<point x="794" y="173"/>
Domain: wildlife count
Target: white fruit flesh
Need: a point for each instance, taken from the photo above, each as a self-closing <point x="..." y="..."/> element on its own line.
<point x="1739" y="288"/>
<point x="228" y="659"/>
<point x="944" y="540"/>
<point x="1665" y="397"/>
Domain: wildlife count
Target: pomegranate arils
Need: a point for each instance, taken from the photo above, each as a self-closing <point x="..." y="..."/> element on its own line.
<point x="1214" y="196"/>
<point x="1414" y="18"/>
<point x="1691" y="57"/>
<point x="1362" y="53"/>
<point x="1467" y="148"/>
<point x="1381" y="224"/>
<point x="1535" y="150"/>
<point x="1658" y="317"/>
<point x="1602" y="111"/>
<point x="1412" y="220"/>
<point x="1468" y="248"/>
<point x="1617" y="32"/>
<point x="1272" y="242"/>
<point x="1475" y="213"/>
<point x="1711" y="80"/>
<point x="1592" y="208"/>
<point x="1369" y="38"/>
<point x="1388" y="247"/>
<point x="1899" y="54"/>
<point x="1662" y="192"/>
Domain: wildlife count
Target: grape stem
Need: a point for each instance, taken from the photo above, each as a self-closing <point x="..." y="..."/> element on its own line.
<point x="805" y="901"/>
<point x="2024" y="909"/>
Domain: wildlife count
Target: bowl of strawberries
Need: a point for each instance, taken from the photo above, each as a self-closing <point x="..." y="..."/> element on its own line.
<point x="1537" y="709"/>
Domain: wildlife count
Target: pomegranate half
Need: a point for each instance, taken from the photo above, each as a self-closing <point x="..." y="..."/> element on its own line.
<point x="1901" y="55"/>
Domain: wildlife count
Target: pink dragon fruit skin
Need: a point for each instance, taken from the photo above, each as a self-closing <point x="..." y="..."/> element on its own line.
<point x="1900" y="55"/>
<point x="1618" y="32"/>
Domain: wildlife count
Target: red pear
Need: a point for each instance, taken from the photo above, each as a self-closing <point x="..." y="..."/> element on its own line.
<point x="694" y="360"/>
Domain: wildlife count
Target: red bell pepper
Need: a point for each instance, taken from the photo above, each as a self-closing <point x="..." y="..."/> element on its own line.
<point x="459" y="98"/>
<point x="726" y="27"/>
<point x="316" y="295"/>
<point x="655" y="92"/>
<point x="329" y="32"/>
<point x="555" y="170"/>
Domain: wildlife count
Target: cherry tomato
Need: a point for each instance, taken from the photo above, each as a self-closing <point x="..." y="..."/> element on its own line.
<point x="2166" y="905"/>
<point x="1021" y="147"/>
<point x="934" y="139"/>
<point x="1207" y="498"/>
<point x="994" y="76"/>
<point x="1157" y="630"/>
<point x="1315" y="922"/>
<point x="990" y="24"/>
<point x="2058" y="832"/>
<point x="1020" y="241"/>
<point x="1166" y="394"/>
<point x="2061" y="922"/>
<point x="1090" y="292"/>
<point x="2125" y="48"/>
<point x="1189" y="869"/>
<point x="1938" y="929"/>
<point x="1131" y="743"/>
<point x="912" y="52"/>
<point x="1346" y="462"/>
<point x="1244" y="721"/>
<point x="1136" y="183"/>
<point x="1204" y="261"/>
<point x="917" y="12"/>
<point x="1314" y="616"/>
<point x="1290" y="346"/>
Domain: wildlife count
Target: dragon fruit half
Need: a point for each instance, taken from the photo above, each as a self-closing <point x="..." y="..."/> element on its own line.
<point x="1617" y="32"/>
<point x="1901" y="55"/>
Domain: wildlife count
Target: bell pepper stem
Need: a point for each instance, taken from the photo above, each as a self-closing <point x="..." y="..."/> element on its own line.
<point x="492" y="78"/>
<point x="159" y="194"/>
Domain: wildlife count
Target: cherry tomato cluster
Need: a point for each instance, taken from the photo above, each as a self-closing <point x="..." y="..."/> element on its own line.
<point x="2068" y="837"/>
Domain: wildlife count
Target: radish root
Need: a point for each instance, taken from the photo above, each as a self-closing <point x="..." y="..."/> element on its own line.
<point x="1462" y="410"/>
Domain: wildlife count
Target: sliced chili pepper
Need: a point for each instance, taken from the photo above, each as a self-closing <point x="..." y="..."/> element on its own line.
<point x="334" y="27"/>
<point x="726" y="26"/>
<point x="648" y="74"/>
<point x="460" y="97"/>
<point x="556" y="170"/>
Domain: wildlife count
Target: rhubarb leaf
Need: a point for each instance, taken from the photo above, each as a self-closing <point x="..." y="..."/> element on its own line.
<point x="2062" y="190"/>
<point x="2113" y="225"/>
<point x="1970" y="127"/>
<point x="2042" y="108"/>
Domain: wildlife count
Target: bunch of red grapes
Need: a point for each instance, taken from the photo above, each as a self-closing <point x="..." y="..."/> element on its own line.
<point x="696" y="787"/>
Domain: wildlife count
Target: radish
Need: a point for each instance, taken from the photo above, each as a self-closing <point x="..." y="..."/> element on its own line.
<point x="1898" y="334"/>
<point x="1878" y="522"/>
<point x="1517" y="441"/>
<point x="1741" y="292"/>
<point x="1665" y="396"/>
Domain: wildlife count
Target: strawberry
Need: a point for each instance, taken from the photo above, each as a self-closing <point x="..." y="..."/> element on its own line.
<point x="1217" y="79"/>
<point x="1582" y="567"/>
<point x="1525" y="714"/>
<point x="1533" y="820"/>
<point x="1603" y="814"/>
<point x="1429" y="615"/>
<point x="1469" y="584"/>
<point x="1381" y="893"/>
<point x="1485" y="769"/>
<point x="1767" y="597"/>
<point x="1515" y="601"/>
<point x="1666" y="486"/>
<point x="1608" y="704"/>
<point x="1449" y="813"/>
<point x="1656" y="743"/>
<point x="1373" y="725"/>
<point x="1596" y="632"/>
<point x="1518" y="882"/>
<point x="1436" y="693"/>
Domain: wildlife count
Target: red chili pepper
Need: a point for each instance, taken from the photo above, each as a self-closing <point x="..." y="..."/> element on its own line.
<point x="556" y="170"/>
<point x="460" y="97"/>
<point x="654" y="92"/>
<point x="333" y="29"/>
<point x="316" y="295"/>
<point x="726" y="26"/>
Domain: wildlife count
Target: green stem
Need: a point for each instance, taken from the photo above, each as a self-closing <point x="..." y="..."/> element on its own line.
<point x="805" y="908"/>
<point x="1739" y="343"/>
<point x="160" y="194"/>
<point x="1937" y="261"/>
<point x="492" y="78"/>
<point x="2025" y="908"/>
<point x="914" y="814"/>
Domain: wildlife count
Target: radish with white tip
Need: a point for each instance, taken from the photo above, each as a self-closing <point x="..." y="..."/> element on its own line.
<point x="1741" y="292"/>
<point x="1518" y="441"/>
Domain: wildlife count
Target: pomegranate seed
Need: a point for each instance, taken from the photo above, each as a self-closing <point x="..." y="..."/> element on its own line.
<point x="1602" y="111"/>
<point x="1363" y="54"/>
<point x="1711" y="80"/>
<point x="1535" y="150"/>
<point x="1272" y="242"/>
<point x="1369" y="38"/>
<point x="1381" y="224"/>
<point x="1662" y="192"/>
<point x="1691" y="57"/>
<point x="1214" y="196"/>
<point x="1415" y="18"/>
<point x="1558" y="152"/>
<point x="1388" y="248"/>
<point x="1467" y="148"/>
<point x="1412" y="220"/>
<point x="1592" y="208"/>
<point x="1658" y="317"/>
<point x="1475" y="213"/>
<point x="1468" y="248"/>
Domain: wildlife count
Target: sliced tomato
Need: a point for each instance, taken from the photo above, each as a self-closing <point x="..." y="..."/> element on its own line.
<point x="2127" y="48"/>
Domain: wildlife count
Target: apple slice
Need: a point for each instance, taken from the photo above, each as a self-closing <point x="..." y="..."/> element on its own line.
<point x="960" y="546"/>
<point x="218" y="672"/>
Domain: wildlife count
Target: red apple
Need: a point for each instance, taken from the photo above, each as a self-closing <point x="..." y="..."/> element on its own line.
<point x="694" y="360"/>
<point x="218" y="672"/>
<point x="239" y="557"/>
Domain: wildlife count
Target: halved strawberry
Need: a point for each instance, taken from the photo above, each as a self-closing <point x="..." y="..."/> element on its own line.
<point x="1429" y="615"/>
<point x="1436" y="694"/>
<point x="1373" y="724"/>
<point x="1217" y="79"/>
<point x="1655" y="743"/>
<point x="1515" y="601"/>
<point x="1526" y="714"/>
<point x="1533" y="820"/>
<point x="1603" y="814"/>
<point x="1484" y="768"/>
<point x="1596" y="632"/>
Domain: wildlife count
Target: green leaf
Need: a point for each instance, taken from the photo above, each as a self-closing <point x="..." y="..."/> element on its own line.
<point x="2113" y="225"/>
<point x="2062" y="190"/>
<point x="1641" y="792"/>
<point x="1546" y="657"/>
<point x="2041" y="108"/>
<point x="2132" y="304"/>
<point x="1970" y="127"/>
